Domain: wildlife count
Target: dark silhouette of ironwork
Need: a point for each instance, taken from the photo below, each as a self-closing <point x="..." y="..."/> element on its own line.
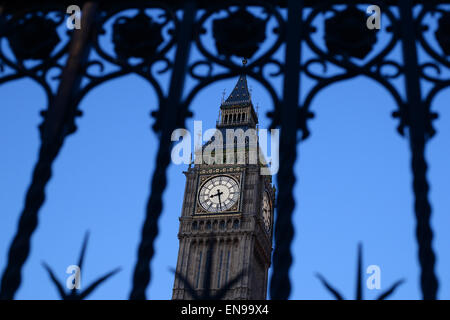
<point x="74" y="294"/>
<point x="205" y="292"/>
<point x="58" y="123"/>
<point x="150" y="34"/>
<point x="359" y="282"/>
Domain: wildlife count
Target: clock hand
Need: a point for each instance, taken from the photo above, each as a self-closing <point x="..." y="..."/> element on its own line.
<point x="220" y="202"/>
<point x="218" y="194"/>
<point x="214" y="195"/>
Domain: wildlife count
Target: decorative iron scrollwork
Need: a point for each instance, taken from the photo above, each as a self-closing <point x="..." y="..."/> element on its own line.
<point x="36" y="47"/>
<point x="435" y="67"/>
<point x="240" y="31"/>
<point x="158" y="24"/>
<point x="32" y="37"/>
<point x="138" y="37"/>
<point x="443" y="32"/>
<point x="346" y="34"/>
<point x="255" y="31"/>
<point x="258" y="37"/>
<point x="240" y="34"/>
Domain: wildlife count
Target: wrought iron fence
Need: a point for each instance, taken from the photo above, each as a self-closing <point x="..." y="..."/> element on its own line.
<point x="240" y="32"/>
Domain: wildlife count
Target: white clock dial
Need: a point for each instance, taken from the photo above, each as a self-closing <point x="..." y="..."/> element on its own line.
<point x="218" y="194"/>
<point x="267" y="211"/>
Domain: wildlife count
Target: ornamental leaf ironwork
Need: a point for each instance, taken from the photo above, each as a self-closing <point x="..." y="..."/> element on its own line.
<point x="137" y="37"/>
<point x="443" y="32"/>
<point x="346" y="34"/>
<point x="73" y="294"/>
<point x="359" y="283"/>
<point x="34" y="37"/>
<point x="240" y="34"/>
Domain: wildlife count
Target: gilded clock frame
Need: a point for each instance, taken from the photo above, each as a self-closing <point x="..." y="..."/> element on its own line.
<point x="207" y="174"/>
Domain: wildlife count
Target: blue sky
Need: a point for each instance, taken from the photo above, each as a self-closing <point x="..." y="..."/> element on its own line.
<point x="353" y="174"/>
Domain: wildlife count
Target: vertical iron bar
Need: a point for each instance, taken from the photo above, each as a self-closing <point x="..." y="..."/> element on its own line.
<point x="418" y="115"/>
<point x="280" y="286"/>
<point x="59" y="118"/>
<point x="170" y="109"/>
<point x="359" y="274"/>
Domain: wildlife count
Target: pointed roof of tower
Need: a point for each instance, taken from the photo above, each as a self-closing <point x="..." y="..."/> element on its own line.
<point x="240" y="94"/>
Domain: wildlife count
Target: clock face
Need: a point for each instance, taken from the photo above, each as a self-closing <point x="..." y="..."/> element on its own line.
<point x="219" y="194"/>
<point x="267" y="211"/>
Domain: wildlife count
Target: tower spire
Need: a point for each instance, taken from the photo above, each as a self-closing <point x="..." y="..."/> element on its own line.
<point x="240" y="96"/>
<point x="237" y="109"/>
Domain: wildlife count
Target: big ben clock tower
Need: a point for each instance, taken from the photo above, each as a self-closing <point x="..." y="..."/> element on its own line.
<point x="227" y="215"/>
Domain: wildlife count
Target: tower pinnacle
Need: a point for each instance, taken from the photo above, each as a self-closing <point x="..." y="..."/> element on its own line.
<point x="237" y="109"/>
<point x="240" y="96"/>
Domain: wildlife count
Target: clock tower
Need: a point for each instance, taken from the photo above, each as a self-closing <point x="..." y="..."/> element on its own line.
<point x="227" y="215"/>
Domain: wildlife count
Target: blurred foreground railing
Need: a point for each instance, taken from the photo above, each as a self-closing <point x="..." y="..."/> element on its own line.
<point x="261" y="31"/>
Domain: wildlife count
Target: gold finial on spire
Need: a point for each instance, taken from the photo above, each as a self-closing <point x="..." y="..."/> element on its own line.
<point x="244" y="62"/>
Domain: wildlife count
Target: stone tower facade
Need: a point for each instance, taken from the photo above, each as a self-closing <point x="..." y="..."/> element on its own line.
<point x="227" y="215"/>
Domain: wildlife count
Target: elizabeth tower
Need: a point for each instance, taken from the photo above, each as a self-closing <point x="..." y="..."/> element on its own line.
<point x="227" y="215"/>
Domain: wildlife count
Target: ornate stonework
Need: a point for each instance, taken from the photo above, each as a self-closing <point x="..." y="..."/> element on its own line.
<point x="236" y="240"/>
